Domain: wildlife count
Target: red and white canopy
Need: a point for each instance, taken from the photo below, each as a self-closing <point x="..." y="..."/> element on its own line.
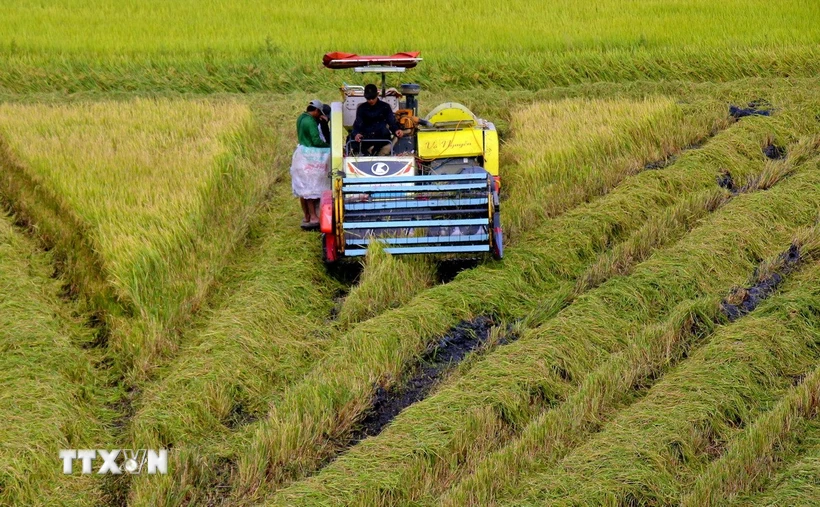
<point x="339" y="60"/>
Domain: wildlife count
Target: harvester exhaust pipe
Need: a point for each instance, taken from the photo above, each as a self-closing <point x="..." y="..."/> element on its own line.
<point x="410" y="90"/>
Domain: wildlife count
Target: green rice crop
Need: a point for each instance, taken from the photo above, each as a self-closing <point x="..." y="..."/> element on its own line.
<point x="616" y="383"/>
<point x="652" y="450"/>
<point x="145" y="197"/>
<point x="52" y="397"/>
<point x="601" y="394"/>
<point x="440" y="436"/>
<point x="386" y="282"/>
<point x="677" y="220"/>
<point x="264" y="327"/>
<point x="186" y="46"/>
<point x="271" y="327"/>
<point x="796" y="485"/>
<point x="566" y="152"/>
<point x="663" y="229"/>
<point x="121" y="27"/>
<point x="789" y="428"/>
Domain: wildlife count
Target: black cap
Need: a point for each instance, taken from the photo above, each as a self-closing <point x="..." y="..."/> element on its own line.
<point x="371" y="92"/>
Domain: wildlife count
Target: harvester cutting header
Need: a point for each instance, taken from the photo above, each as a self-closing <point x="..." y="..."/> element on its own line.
<point x="431" y="189"/>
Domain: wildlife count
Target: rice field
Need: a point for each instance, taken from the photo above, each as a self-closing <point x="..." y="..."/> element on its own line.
<point x="423" y="445"/>
<point x="145" y="197"/>
<point x="236" y="28"/>
<point x="53" y="396"/>
<point x="650" y="337"/>
<point x="261" y="46"/>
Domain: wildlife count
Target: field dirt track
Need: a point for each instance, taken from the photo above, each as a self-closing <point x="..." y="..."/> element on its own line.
<point x="650" y="337"/>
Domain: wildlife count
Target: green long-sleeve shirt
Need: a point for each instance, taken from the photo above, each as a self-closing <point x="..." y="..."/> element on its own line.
<point x="307" y="130"/>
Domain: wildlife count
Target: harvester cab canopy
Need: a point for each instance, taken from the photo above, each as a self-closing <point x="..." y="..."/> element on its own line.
<point x="398" y="62"/>
<point x="339" y="60"/>
<point x="433" y="190"/>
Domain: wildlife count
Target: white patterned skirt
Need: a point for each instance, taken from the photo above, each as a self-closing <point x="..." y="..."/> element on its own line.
<point x="310" y="171"/>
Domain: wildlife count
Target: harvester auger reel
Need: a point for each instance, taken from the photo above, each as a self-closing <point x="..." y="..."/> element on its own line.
<point x="435" y="193"/>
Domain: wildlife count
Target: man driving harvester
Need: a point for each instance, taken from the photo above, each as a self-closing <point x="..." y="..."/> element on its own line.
<point x="374" y="123"/>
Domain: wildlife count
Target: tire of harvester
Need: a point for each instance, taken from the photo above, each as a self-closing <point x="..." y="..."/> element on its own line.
<point x="329" y="255"/>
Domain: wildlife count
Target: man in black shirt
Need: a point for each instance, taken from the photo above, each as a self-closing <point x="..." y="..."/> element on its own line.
<point x="324" y="123"/>
<point x="374" y="120"/>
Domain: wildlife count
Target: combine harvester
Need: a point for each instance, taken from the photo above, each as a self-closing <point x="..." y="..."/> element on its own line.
<point x="437" y="191"/>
